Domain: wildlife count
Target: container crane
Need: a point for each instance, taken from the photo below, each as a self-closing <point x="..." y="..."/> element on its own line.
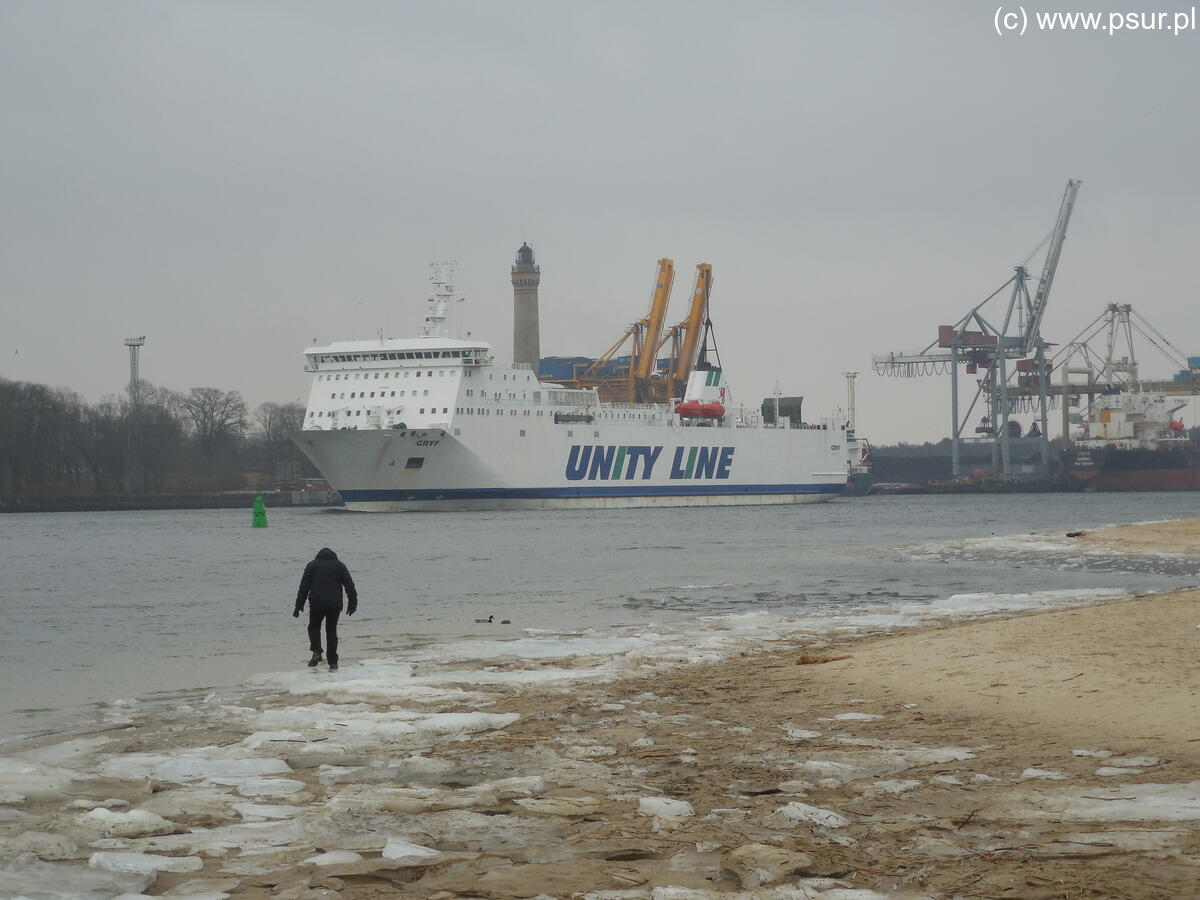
<point x="1034" y="325"/>
<point x="977" y="344"/>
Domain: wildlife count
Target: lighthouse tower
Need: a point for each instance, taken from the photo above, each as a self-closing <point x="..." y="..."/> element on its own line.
<point x="525" y="278"/>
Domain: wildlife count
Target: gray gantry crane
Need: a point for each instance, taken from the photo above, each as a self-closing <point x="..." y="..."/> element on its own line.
<point x="1104" y="356"/>
<point x="985" y="348"/>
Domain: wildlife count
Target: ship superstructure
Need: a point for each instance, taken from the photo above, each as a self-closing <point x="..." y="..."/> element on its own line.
<point x="1131" y="441"/>
<point x="435" y="422"/>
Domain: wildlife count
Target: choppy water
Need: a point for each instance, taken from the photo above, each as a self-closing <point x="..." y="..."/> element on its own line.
<point x="103" y="606"/>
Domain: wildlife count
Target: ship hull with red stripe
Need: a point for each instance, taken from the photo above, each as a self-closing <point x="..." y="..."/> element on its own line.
<point x="1110" y="469"/>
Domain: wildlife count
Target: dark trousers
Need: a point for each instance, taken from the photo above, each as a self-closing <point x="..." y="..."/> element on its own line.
<point x="314" y="632"/>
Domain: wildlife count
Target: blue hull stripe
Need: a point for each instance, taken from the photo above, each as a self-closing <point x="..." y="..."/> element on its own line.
<point x="665" y="490"/>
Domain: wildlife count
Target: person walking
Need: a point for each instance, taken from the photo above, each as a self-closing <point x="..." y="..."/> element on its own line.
<point x="321" y="585"/>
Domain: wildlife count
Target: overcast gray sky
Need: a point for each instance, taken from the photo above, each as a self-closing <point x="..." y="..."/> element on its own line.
<point x="233" y="178"/>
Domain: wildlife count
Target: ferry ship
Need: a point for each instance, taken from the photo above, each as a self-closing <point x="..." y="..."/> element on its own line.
<point x="434" y="422"/>
<point x="1132" y="442"/>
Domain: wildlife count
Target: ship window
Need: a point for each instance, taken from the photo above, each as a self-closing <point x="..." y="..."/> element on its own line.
<point x="333" y="396"/>
<point x="425" y="393"/>
<point x="418" y="373"/>
<point x="570" y="434"/>
<point x="310" y="415"/>
<point x="393" y="394"/>
<point x="376" y="374"/>
<point x="522" y="432"/>
<point x="422" y="410"/>
<point x="415" y="462"/>
<point x="445" y="409"/>
<point x="358" y="412"/>
<point x="372" y="393"/>
<point x="342" y="396"/>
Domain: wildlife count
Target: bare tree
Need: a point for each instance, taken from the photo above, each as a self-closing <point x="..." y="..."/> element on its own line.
<point x="278" y="421"/>
<point x="218" y="417"/>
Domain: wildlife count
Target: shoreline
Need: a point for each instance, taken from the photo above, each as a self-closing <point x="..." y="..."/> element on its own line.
<point x="929" y="761"/>
<point x="176" y="501"/>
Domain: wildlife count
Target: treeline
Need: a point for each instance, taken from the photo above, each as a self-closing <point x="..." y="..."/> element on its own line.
<point x="53" y="443"/>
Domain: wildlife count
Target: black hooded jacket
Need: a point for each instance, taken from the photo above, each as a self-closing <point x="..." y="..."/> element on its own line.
<point x="322" y="584"/>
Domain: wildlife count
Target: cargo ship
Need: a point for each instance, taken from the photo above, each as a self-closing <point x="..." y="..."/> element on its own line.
<point x="434" y="422"/>
<point x="1131" y="441"/>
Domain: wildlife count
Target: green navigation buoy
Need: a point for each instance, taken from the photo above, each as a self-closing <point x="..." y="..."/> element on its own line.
<point x="260" y="512"/>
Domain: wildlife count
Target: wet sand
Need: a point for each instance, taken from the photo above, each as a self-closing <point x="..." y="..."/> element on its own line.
<point x="1181" y="537"/>
<point x="1049" y="754"/>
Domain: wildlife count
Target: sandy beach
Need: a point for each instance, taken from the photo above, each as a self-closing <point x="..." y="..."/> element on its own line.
<point x="1048" y="753"/>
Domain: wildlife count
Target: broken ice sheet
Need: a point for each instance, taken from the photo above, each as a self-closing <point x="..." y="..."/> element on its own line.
<point x="814" y="815"/>
<point x="363" y="724"/>
<point x="135" y="823"/>
<point x="263" y="787"/>
<point x="144" y="863"/>
<point x="52" y="881"/>
<point x="252" y="812"/>
<point x="200" y="764"/>
<point x="800" y="734"/>
<point x="665" y="808"/>
<point x="33" y="780"/>
<point x="891" y="786"/>
<point x="1049" y="774"/>
<point x="1178" y="802"/>
<point x="248" y="837"/>
<point x="405" y="852"/>
<point x="334" y="858"/>
<point x="852" y="717"/>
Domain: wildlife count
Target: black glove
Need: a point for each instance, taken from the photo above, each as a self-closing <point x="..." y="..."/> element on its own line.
<point x="295" y="613"/>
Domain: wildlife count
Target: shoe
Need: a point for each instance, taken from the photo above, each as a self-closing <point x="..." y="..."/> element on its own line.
<point x="316" y="658"/>
<point x="333" y="667"/>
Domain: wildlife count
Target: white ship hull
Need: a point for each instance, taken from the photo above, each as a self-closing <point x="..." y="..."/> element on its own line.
<point x="553" y="466"/>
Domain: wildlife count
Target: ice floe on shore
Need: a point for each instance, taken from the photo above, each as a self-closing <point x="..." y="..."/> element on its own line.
<point x="1056" y="550"/>
<point x="408" y="764"/>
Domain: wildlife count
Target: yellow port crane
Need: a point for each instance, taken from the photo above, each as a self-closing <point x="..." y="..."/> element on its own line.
<point x="685" y="337"/>
<point x="634" y="385"/>
<point x="643" y="381"/>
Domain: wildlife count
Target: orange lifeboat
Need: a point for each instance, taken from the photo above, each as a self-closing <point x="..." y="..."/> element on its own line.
<point x="690" y="409"/>
<point x="712" y="410"/>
